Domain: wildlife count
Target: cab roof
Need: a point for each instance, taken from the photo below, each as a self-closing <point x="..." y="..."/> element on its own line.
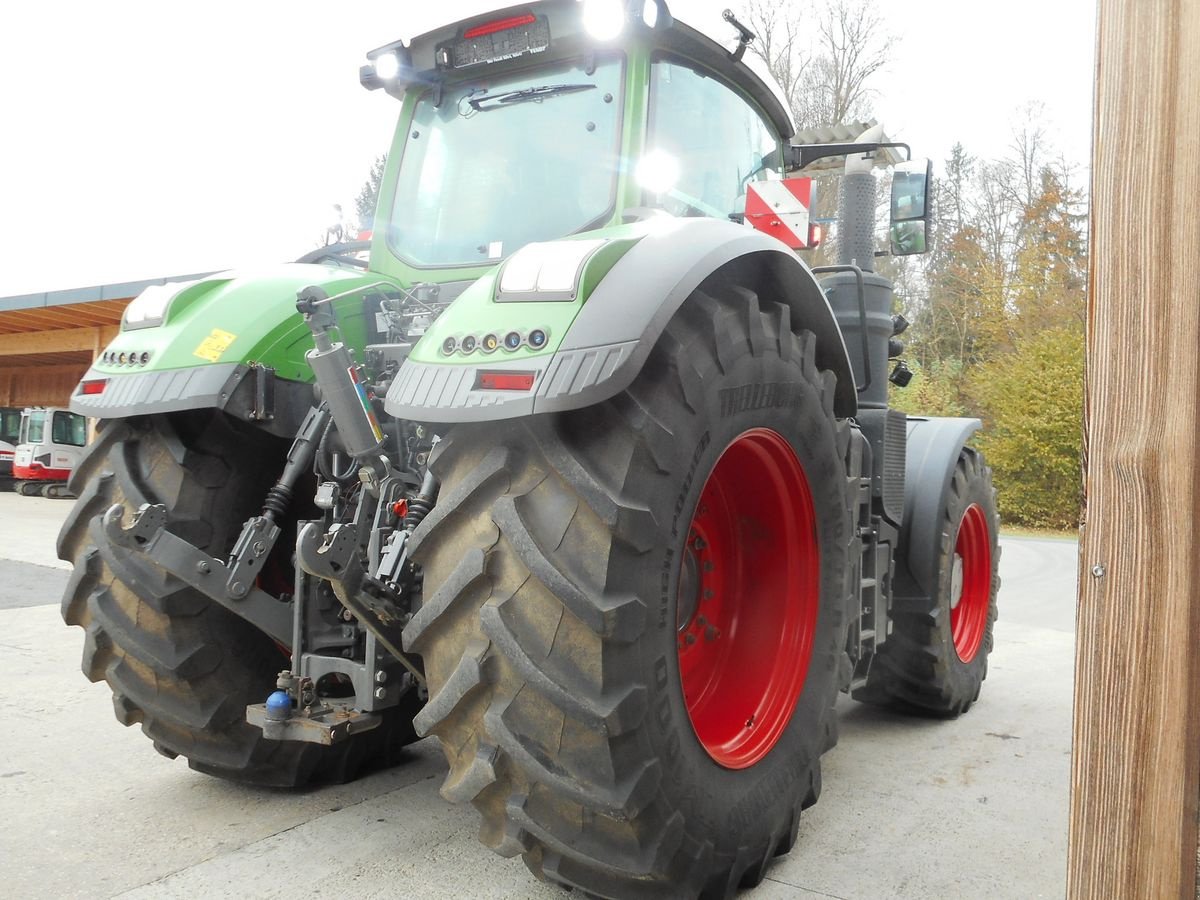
<point x="695" y="30"/>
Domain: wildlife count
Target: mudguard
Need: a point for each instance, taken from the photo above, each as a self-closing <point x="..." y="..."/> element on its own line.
<point x="934" y="445"/>
<point x="230" y="341"/>
<point x="603" y="333"/>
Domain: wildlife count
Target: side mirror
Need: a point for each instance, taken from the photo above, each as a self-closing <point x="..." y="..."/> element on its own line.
<point x="910" y="188"/>
<point x="910" y="206"/>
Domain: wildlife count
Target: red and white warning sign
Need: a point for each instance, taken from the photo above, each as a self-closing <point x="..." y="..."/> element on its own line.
<point x="780" y="209"/>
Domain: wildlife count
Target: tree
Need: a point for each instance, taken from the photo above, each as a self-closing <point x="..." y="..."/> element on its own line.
<point x="1049" y="277"/>
<point x="825" y="78"/>
<point x="1032" y="402"/>
<point x="935" y="390"/>
<point x="364" y="204"/>
<point x="1029" y="149"/>
<point x="778" y="43"/>
<point x="953" y="188"/>
<point x="852" y="48"/>
<point x="964" y="320"/>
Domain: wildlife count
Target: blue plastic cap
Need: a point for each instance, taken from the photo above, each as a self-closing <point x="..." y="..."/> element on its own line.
<point x="279" y="705"/>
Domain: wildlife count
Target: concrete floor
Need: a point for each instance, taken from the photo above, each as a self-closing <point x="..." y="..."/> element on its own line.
<point x="911" y="808"/>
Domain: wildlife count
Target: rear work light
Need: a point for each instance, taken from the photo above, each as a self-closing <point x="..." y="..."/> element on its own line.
<point x="499" y="25"/>
<point x="93" y="387"/>
<point x="504" y="381"/>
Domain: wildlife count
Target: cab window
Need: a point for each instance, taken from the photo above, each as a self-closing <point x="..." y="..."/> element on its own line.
<point x="69" y="428"/>
<point x="34" y="427"/>
<point x="10" y="425"/>
<point x="716" y="138"/>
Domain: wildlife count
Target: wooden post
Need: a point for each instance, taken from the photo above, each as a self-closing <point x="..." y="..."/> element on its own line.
<point x="1136" y="766"/>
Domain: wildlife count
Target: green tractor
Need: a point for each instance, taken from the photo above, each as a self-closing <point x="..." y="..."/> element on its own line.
<point x="584" y="472"/>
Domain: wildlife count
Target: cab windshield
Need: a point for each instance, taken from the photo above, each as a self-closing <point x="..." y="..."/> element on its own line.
<point x="33" y="427"/>
<point x="507" y="160"/>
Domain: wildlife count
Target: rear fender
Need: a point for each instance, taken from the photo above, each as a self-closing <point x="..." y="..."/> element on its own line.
<point x="934" y="445"/>
<point x="611" y="331"/>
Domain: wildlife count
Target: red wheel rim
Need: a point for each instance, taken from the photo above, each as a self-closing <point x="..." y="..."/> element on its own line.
<point x="748" y="597"/>
<point x="971" y="583"/>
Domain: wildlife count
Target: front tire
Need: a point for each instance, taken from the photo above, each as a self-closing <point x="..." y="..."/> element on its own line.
<point x="935" y="659"/>
<point x="556" y="637"/>
<point x="179" y="663"/>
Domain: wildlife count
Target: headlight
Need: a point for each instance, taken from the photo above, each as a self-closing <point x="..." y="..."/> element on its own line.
<point x="150" y="306"/>
<point x="551" y="268"/>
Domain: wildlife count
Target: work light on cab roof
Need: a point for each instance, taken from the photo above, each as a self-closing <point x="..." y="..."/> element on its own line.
<point x="513" y="34"/>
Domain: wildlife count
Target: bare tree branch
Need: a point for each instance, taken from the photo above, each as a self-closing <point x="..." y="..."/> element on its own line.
<point x="823" y="62"/>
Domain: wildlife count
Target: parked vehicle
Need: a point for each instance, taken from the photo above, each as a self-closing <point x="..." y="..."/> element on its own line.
<point x="598" y="483"/>
<point x="50" y="443"/>
<point x="10" y="428"/>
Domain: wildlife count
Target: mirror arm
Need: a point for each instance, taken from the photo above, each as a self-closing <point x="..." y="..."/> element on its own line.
<point x="799" y="156"/>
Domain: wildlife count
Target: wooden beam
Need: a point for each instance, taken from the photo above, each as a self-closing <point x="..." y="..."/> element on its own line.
<point x="1135" y="776"/>
<point x="77" y="368"/>
<point x="39" y="385"/>
<point x="61" y="340"/>
<point x="43" y="318"/>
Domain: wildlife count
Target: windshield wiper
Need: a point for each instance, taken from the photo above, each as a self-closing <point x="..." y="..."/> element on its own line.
<point x="523" y="96"/>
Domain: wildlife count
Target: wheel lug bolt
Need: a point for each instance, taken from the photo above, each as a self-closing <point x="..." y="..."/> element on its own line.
<point x="711" y="634"/>
<point x="700" y="620"/>
<point x="708" y="566"/>
<point x="699" y="543"/>
<point x="690" y="639"/>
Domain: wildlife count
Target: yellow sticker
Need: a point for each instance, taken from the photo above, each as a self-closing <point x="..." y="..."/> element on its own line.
<point x="214" y="345"/>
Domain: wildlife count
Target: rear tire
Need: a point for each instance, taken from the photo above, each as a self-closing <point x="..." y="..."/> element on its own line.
<point x="550" y="627"/>
<point x="935" y="659"/>
<point x="178" y="663"/>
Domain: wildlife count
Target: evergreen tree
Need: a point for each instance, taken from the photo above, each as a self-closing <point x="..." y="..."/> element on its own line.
<point x="1050" y="264"/>
<point x="364" y="204"/>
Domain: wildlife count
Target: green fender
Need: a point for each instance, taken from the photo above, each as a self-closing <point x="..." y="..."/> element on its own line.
<point x="600" y="334"/>
<point x="218" y="339"/>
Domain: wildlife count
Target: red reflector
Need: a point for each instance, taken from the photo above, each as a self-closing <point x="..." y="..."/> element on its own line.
<point x="815" y="233"/>
<point x="93" y="387"/>
<point x="500" y="25"/>
<point x="504" y="381"/>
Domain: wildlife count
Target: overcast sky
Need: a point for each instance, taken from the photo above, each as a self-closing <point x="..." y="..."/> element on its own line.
<point x="147" y="139"/>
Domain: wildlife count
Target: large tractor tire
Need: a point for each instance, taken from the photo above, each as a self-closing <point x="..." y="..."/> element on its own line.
<point x="178" y="662"/>
<point x="935" y="659"/>
<point x="636" y="612"/>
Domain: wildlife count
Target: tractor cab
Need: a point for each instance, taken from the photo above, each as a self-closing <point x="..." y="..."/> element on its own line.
<point x="554" y="118"/>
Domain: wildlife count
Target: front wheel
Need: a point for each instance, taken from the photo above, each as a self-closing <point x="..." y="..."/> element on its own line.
<point x="634" y="612"/>
<point x="935" y="659"/>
